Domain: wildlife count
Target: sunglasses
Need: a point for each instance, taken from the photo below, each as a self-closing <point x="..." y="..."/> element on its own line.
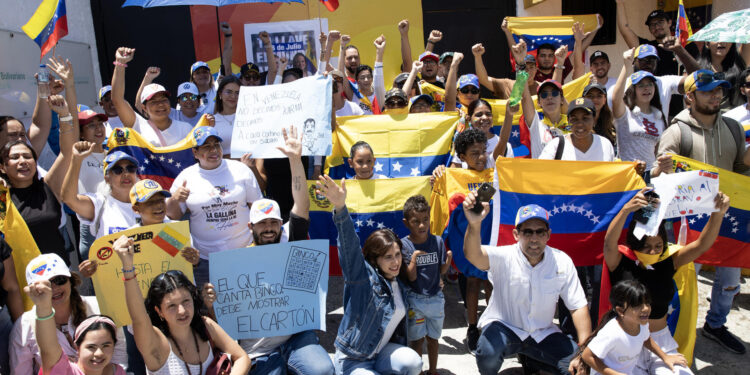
<point x="395" y="103"/>
<point x="469" y="90"/>
<point x="59" y="280"/>
<point x="186" y="98"/>
<point x="118" y="170"/>
<point x="547" y="94"/>
<point x="531" y="232"/>
<point x="746" y="84"/>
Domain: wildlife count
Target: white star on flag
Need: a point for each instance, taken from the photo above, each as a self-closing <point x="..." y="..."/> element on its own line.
<point x="145" y="161"/>
<point x="378" y="167"/>
<point x="153" y="157"/>
<point x="370" y="222"/>
<point x="414" y="172"/>
<point x="732" y="219"/>
<point x="555" y="210"/>
<point x="161" y="158"/>
<point x="515" y="133"/>
<point x="670" y="310"/>
<point x="170" y="161"/>
<point x="589" y="214"/>
<point x="397" y="167"/>
<point x="595" y="219"/>
<point x="358" y="222"/>
<point x="564" y="208"/>
<point x="691" y="221"/>
<point x="735" y="229"/>
<point x="381" y="225"/>
<point x="142" y="168"/>
<point x="581" y="210"/>
<point x="177" y="164"/>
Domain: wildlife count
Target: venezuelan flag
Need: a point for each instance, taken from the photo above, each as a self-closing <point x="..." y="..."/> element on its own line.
<point x="582" y="197"/>
<point x="683" y="31"/>
<point x="732" y="247"/>
<point x="17" y="235"/>
<point x="554" y="30"/>
<point x="373" y="204"/>
<point x="404" y="145"/>
<point x="48" y="24"/>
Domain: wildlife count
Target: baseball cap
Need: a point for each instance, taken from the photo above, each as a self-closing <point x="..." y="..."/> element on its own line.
<point x="152" y="89"/>
<point x="85" y="114"/>
<point x="529" y="59"/>
<point x="429" y="55"/>
<point x="656" y="14"/>
<point x="249" y="67"/>
<point x="426" y="97"/>
<point x="401" y="78"/>
<point x="143" y="190"/>
<point x="598" y="54"/>
<point x="645" y="50"/>
<point x="444" y="56"/>
<point x="337" y="73"/>
<point x="187" y="87"/>
<point x="549" y="82"/>
<point x="114" y="157"/>
<point x="396" y="92"/>
<point x="264" y="209"/>
<point x="468" y="80"/>
<point x="201" y="134"/>
<point x="592" y="86"/>
<point x="103" y="91"/>
<point x="197" y="65"/>
<point x="704" y="80"/>
<point x="531" y="211"/>
<point x="45" y="267"/>
<point x="582" y="103"/>
<point x="639" y="76"/>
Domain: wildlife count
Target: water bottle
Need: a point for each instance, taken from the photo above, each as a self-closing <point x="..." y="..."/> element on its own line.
<point x="42" y="79"/>
<point x="517" y="92"/>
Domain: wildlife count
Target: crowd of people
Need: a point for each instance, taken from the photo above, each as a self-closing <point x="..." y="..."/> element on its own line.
<point x="666" y="99"/>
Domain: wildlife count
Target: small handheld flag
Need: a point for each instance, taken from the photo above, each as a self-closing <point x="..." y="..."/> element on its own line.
<point x="683" y="31"/>
<point x="48" y="25"/>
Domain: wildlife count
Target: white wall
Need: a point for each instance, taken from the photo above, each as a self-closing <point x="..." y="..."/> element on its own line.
<point x="16" y="13"/>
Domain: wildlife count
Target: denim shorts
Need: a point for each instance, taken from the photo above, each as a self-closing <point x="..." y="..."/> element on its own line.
<point x="425" y="316"/>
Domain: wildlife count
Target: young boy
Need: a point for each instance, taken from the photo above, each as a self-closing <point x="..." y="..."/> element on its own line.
<point x="426" y="259"/>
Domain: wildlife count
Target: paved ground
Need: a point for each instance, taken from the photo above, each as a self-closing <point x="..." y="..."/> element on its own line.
<point x="710" y="357"/>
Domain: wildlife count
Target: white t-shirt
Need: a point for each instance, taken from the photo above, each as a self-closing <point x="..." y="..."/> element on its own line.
<point x="177" y="115"/>
<point x="740" y="113"/>
<point x="92" y="173"/>
<point x="218" y="204"/>
<point x="491" y="144"/>
<point x="398" y="313"/>
<point x="524" y="298"/>
<point x="600" y="150"/>
<point x="616" y="348"/>
<point x="609" y="85"/>
<point x="539" y="135"/>
<point x="638" y="134"/>
<point x="115" y="216"/>
<point x="173" y="134"/>
<point x="225" y="125"/>
<point x="209" y="100"/>
<point x="667" y="86"/>
<point x="349" y="109"/>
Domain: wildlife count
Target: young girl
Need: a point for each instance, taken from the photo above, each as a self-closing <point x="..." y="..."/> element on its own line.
<point x="362" y="160"/>
<point x="616" y="346"/>
<point x="372" y="335"/>
<point x="604" y="122"/>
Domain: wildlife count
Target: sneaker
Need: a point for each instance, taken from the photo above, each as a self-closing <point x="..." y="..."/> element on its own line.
<point x="472" y="337"/>
<point x="724" y="337"/>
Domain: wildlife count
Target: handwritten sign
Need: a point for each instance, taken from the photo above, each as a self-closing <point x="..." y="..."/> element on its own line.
<point x="156" y="251"/>
<point x="694" y="193"/>
<point x="271" y="290"/>
<point x="262" y="112"/>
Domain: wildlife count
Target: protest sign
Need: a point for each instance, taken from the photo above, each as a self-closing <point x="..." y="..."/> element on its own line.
<point x="271" y="290"/>
<point x="289" y="39"/>
<point x="157" y="250"/>
<point x="262" y="112"/>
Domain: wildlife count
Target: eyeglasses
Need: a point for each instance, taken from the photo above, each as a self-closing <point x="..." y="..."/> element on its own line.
<point x="470" y="90"/>
<point x="59" y="280"/>
<point x="185" y="98"/>
<point x="547" y="94"/>
<point x="531" y="232"/>
<point x="118" y="170"/>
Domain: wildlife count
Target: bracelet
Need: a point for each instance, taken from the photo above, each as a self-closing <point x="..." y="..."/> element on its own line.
<point x="117" y="63"/>
<point x="128" y="278"/>
<point x="520" y="66"/>
<point x="68" y="118"/>
<point x="132" y="269"/>
<point x="558" y="66"/>
<point x="48" y="317"/>
<point x="227" y="35"/>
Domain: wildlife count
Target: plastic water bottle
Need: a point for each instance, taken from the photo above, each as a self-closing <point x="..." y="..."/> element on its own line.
<point x="517" y="92"/>
<point x="42" y="79"/>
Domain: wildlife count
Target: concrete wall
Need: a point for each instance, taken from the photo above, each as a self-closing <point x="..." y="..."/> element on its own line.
<point x="80" y="25"/>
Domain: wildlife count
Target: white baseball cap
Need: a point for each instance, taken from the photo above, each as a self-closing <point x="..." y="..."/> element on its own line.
<point x="264" y="209"/>
<point x="187" y="87"/>
<point x="45" y="267"/>
<point x="152" y="89"/>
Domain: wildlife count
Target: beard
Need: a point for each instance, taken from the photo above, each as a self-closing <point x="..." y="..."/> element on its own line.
<point x="259" y="241"/>
<point x="706" y="109"/>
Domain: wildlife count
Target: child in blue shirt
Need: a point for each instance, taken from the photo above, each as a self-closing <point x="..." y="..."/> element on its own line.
<point x="426" y="260"/>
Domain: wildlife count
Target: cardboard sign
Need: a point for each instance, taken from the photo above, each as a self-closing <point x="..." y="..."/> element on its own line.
<point x="271" y="290"/>
<point x="157" y="250"/>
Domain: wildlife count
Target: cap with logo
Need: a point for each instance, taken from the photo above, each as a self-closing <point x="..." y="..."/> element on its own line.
<point x="45" y="267"/>
<point x="656" y="14"/>
<point x="639" y="76"/>
<point x="143" y="190"/>
<point x="152" y="89"/>
<point x="531" y="211"/>
<point x="264" y="209"/>
<point x="598" y="55"/>
<point x="582" y="103"/>
<point x="427" y="55"/>
<point x="201" y="134"/>
<point x="104" y="91"/>
<point x="187" y="88"/>
<point x="468" y="80"/>
<point x="704" y="80"/>
<point x="114" y="157"/>
<point x="645" y="50"/>
<point x="197" y="65"/>
<point x="249" y="67"/>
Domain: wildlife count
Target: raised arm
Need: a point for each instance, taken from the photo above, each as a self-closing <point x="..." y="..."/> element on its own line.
<point x="342" y="66"/>
<point x="706" y="239"/>
<point x="40" y="293"/>
<point x="64" y="69"/>
<point x="270" y="58"/>
<point x="293" y="150"/>
<point x="333" y="37"/>
<point x="451" y="90"/>
<point x="151" y="73"/>
<point x="589" y="36"/>
<point x="226" y="53"/>
<point x="377" y="73"/>
<point x="81" y="204"/>
<point x="54" y="176"/>
<point x="403" y="29"/>
<point x="433" y="39"/>
<point x="527" y="103"/>
<point x="631" y="39"/>
<point x="480" y="70"/>
<point x="505" y="130"/>
<point x="579" y="35"/>
<point x="672" y="44"/>
<point x="561" y="54"/>
<point x="508" y="35"/>
<point x="416" y="67"/>
<point x="175" y="202"/>
<point x="612" y="256"/>
<point x="618" y="91"/>
<point x="124" y="111"/>
<point x="473" y="249"/>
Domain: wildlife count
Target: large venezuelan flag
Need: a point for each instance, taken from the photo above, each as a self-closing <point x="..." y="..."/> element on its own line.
<point x="732" y="248"/>
<point x="582" y="197"/>
<point x="17" y="235"/>
<point x="48" y="24"/>
<point x="404" y="145"/>
<point x="373" y="204"/>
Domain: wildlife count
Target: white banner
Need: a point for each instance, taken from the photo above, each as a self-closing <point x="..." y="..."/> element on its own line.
<point x="289" y="38"/>
<point x="262" y="111"/>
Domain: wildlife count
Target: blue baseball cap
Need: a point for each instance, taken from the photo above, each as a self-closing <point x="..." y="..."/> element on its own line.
<point x="114" y="157"/>
<point x="429" y="55"/>
<point x="639" y="76"/>
<point x="198" y="64"/>
<point x="704" y="80"/>
<point x="103" y="91"/>
<point x="531" y="211"/>
<point x="468" y="80"/>
<point x="201" y="134"/>
<point x="426" y="97"/>
<point x="645" y="50"/>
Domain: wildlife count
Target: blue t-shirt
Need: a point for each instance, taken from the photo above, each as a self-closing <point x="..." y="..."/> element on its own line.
<point x="428" y="265"/>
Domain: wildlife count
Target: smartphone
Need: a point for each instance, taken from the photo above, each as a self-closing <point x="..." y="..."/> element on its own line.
<point x="484" y="194"/>
<point x="644" y="214"/>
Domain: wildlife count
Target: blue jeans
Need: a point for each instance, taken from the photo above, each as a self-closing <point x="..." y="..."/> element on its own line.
<point x="393" y="359"/>
<point x="499" y="342"/>
<point x="301" y="354"/>
<point x="721" y="298"/>
<point x="87" y="238"/>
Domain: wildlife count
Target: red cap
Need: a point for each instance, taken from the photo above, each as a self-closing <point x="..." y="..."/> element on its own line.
<point x="85" y="116"/>
<point x="549" y="82"/>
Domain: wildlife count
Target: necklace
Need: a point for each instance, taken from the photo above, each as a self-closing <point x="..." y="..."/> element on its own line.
<point x="197" y="349"/>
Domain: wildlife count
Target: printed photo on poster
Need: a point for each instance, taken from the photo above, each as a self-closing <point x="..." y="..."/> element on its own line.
<point x="295" y="40"/>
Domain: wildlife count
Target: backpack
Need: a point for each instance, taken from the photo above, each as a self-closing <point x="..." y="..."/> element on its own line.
<point x="560" y="147"/>
<point x="686" y="138"/>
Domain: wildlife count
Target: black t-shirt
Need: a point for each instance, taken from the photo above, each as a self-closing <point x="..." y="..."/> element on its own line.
<point x="5" y="253"/>
<point x="298" y="227"/>
<point x="657" y="280"/>
<point x="41" y="211"/>
<point x="279" y="184"/>
<point x="667" y="64"/>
